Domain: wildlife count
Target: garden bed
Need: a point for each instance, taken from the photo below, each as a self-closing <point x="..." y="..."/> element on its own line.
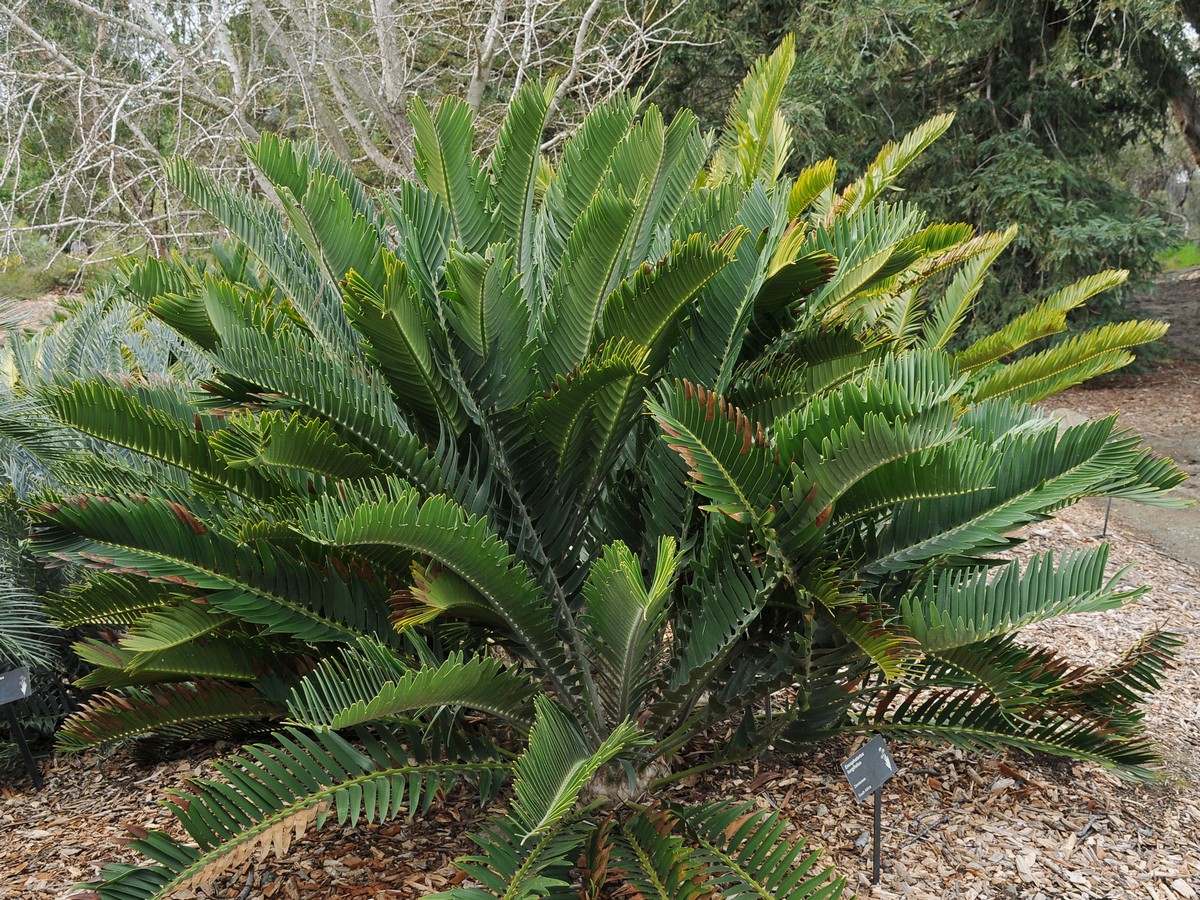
<point x="956" y="825"/>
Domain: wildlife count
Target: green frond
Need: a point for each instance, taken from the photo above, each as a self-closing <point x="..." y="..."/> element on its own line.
<point x="586" y="158"/>
<point x="645" y="309"/>
<point x="659" y="167"/>
<point x="712" y="341"/>
<point x="756" y="141"/>
<point x="623" y="621"/>
<point x="730" y="462"/>
<point x="423" y="236"/>
<point x="556" y="766"/>
<point x="260" y="227"/>
<point x="173" y="626"/>
<point x="870" y="628"/>
<point x="812" y="182"/>
<point x="1083" y="356"/>
<point x="1047" y="318"/>
<point x="397" y="327"/>
<point x="748" y="852"/>
<point x="971" y="718"/>
<point x="725" y="598"/>
<point x="486" y="310"/>
<point x="165" y="541"/>
<point x="290" y="368"/>
<point x="1037" y="472"/>
<point x="152" y="277"/>
<point x="104" y="599"/>
<point x="1116" y="691"/>
<point x="277" y="440"/>
<point x="567" y="414"/>
<point x="444" y="143"/>
<point x="347" y="691"/>
<point x="869" y="249"/>
<point x="946" y="315"/>
<point x="645" y="855"/>
<point x="591" y="264"/>
<point x="790" y="282"/>
<point x="272" y="795"/>
<point x="528" y="852"/>
<point x="174" y="711"/>
<point x="236" y="658"/>
<point x="383" y="521"/>
<point x="337" y="234"/>
<point x="26" y="638"/>
<point x="513" y="869"/>
<point x="514" y="165"/>
<point x="963" y="606"/>
<point x="891" y="161"/>
<point x="848" y="454"/>
<point x="137" y="421"/>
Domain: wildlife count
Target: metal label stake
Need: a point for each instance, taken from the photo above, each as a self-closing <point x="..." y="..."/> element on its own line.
<point x="867" y="771"/>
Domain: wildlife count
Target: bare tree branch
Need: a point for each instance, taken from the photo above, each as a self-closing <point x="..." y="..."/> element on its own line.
<point x="89" y="110"/>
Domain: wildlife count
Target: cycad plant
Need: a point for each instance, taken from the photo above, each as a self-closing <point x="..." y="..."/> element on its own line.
<point x="541" y="468"/>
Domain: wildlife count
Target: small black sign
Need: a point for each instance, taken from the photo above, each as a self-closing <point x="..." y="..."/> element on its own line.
<point x="869" y="768"/>
<point x="14" y="686"/>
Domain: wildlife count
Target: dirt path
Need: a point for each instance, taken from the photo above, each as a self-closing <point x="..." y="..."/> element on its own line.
<point x="1164" y="408"/>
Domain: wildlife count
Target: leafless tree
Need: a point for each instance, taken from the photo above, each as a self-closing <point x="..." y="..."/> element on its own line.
<point x="94" y="93"/>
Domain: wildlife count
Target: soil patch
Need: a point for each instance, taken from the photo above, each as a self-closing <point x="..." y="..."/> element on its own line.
<point x="1175" y="298"/>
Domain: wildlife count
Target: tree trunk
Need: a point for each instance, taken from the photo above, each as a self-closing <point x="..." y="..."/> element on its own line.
<point x="1155" y="59"/>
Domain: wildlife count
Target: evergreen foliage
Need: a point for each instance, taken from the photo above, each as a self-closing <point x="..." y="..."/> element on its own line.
<point x="1047" y="95"/>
